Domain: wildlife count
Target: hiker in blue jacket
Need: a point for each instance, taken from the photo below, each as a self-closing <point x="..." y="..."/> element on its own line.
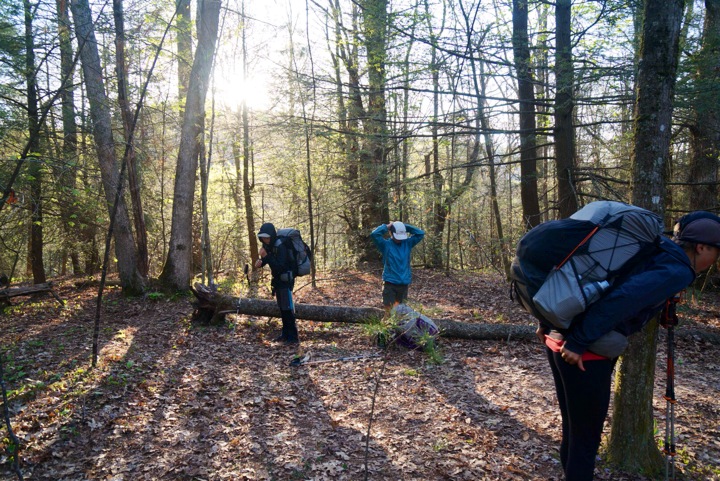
<point x="583" y="378"/>
<point x="275" y="254"/>
<point x="396" y="250"/>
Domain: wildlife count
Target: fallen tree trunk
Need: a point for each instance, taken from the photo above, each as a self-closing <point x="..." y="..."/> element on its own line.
<point x="211" y="306"/>
<point x="6" y="294"/>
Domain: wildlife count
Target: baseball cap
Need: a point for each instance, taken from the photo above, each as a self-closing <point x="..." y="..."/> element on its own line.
<point x="399" y="231"/>
<point x="701" y="231"/>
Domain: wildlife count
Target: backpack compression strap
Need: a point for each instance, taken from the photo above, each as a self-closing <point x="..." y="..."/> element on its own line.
<point x="590" y="234"/>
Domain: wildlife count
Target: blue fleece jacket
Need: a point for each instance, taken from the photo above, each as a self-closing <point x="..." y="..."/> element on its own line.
<point x="635" y="298"/>
<point x="396" y="256"/>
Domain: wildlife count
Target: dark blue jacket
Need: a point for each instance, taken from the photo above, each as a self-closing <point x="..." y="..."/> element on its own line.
<point x="396" y="256"/>
<point x="277" y="258"/>
<point x="634" y="298"/>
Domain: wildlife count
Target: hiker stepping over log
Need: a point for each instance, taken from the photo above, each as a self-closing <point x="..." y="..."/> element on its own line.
<point x="587" y="310"/>
<point x="276" y="254"/>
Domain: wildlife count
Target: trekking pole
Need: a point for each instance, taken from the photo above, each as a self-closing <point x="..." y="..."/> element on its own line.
<point x="669" y="320"/>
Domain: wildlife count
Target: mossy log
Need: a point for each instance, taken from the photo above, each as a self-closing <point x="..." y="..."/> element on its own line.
<point x="212" y="306"/>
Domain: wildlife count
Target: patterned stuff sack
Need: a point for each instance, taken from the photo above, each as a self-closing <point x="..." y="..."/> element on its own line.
<point x="412" y="327"/>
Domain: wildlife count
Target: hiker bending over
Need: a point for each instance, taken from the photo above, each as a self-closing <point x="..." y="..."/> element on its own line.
<point x="275" y="254"/>
<point x="583" y="378"/>
<point x="395" y="252"/>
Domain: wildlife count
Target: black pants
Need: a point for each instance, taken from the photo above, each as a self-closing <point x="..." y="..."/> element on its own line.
<point x="283" y="295"/>
<point x="584" y="397"/>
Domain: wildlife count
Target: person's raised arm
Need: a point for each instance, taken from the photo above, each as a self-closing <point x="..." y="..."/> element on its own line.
<point x="417" y="234"/>
<point x="378" y="236"/>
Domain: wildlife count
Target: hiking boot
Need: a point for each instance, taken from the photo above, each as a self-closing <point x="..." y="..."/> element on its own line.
<point x="280" y="338"/>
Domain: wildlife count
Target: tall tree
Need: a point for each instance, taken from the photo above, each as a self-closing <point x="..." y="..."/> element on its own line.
<point x="309" y="125"/>
<point x="373" y="153"/>
<point x="402" y="169"/>
<point x="350" y="112"/>
<point x="632" y="444"/>
<point x="526" y="114"/>
<point x="127" y="117"/>
<point x="542" y="93"/>
<point x="177" y="271"/>
<point x="480" y="86"/>
<point x="67" y="174"/>
<point x="183" y="24"/>
<point x="438" y="218"/>
<point x="705" y="128"/>
<point x="205" y="160"/>
<point x="248" y="182"/>
<point x="564" y="105"/>
<point x="130" y="277"/>
<point x="35" y="167"/>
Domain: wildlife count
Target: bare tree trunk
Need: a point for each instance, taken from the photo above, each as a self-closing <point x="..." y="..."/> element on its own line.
<point x="490" y="152"/>
<point x="309" y="125"/>
<point x="127" y="116"/>
<point x="631" y="444"/>
<point x="564" y="105"/>
<point x="373" y="154"/>
<point x="177" y="271"/>
<point x="35" y="168"/>
<point x="402" y="191"/>
<point x="479" y="86"/>
<point x="542" y="94"/>
<point x="248" y="180"/>
<point x="207" y="260"/>
<point x="131" y="278"/>
<point x="526" y="97"/>
<point x="349" y="115"/>
<point x="244" y="185"/>
<point x="438" y="217"/>
<point x="183" y="25"/>
<point x="66" y="177"/>
<point x="705" y="130"/>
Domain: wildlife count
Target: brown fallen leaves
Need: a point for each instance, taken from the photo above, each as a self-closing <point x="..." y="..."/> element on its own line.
<point x="171" y="401"/>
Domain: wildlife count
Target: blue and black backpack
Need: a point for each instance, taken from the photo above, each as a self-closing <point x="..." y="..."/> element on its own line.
<point x="563" y="266"/>
<point x="299" y="252"/>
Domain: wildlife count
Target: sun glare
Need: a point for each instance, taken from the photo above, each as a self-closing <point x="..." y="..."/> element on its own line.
<point x="232" y="92"/>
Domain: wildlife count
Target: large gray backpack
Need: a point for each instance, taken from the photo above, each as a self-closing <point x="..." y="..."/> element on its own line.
<point x="563" y="266"/>
<point x="299" y="252"/>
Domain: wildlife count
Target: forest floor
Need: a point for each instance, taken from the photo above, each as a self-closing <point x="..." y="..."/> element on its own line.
<point x="170" y="400"/>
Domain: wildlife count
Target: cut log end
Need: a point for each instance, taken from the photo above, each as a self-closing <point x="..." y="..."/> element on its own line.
<point x="206" y="305"/>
